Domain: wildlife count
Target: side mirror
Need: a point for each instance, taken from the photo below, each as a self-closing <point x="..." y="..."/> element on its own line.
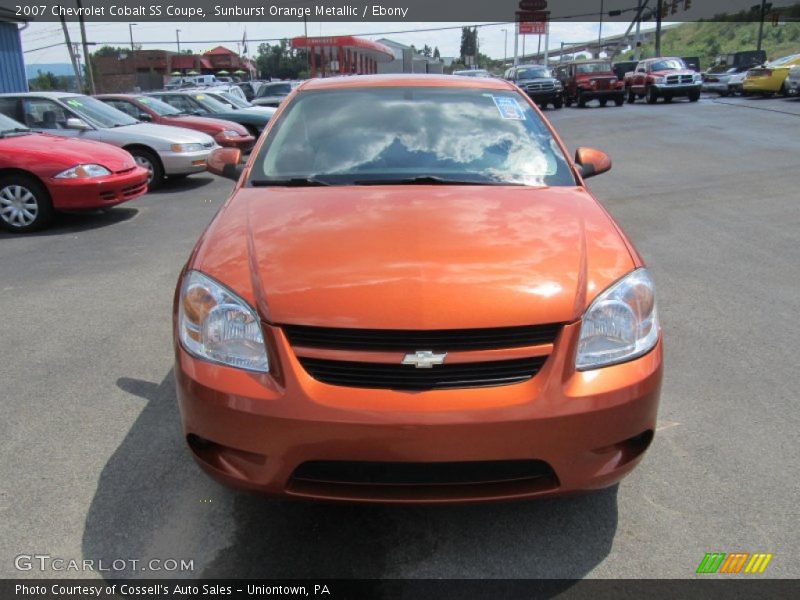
<point x="76" y="123"/>
<point x="147" y="118"/>
<point x="591" y="162"/>
<point x="225" y="163"/>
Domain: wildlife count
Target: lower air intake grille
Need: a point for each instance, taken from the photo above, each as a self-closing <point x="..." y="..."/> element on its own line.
<point x="406" y="377"/>
<point x="408" y="473"/>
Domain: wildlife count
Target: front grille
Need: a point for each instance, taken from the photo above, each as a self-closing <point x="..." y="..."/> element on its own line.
<point x="132" y="190"/>
<point x="422" y="474"/>
<point x="402" y="340"/>
<point x="396" y="376"/>
<point x="679" y="79"/>
<point x="540" y="87"/>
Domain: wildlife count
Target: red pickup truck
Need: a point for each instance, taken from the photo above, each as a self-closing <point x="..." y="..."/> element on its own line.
<point x="663" y="77"/>
<point x="586" y="80"/>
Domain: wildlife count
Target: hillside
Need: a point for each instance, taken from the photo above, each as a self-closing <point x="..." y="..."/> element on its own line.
<point x="708" y="39"/>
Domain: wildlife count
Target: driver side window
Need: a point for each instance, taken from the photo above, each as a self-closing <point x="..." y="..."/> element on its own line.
<point x="41" y="113"/>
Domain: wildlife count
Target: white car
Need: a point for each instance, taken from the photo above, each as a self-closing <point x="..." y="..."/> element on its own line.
<point x="793" y="81"/>
<point x="163" y="150"/>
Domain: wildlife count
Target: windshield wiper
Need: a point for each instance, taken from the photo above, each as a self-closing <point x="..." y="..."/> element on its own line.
<point x="290" y="182"/>
<point x="13" y="130"/>
<point x="430" y="180"/>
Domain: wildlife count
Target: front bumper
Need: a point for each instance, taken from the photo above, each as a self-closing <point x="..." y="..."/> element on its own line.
<point x="184" y="163"/>
<point x="683" y="89"/>
<point x="97" y="192"/>
<point x="719" y="87"/>
<point x="242" y="142"/>
<point x="591" y="428"/>
<point x="594" y="94"/>
<point x="544" y="96"/>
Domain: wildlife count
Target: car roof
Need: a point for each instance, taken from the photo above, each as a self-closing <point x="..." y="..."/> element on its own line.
<point x="54" y="95"/>
<point x="407" y="80"/>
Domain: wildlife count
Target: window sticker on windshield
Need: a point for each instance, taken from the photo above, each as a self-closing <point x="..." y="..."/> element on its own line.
<point x="508" y="108"/>
<point x="200" y="97"/>
<point x="74" y="103"/>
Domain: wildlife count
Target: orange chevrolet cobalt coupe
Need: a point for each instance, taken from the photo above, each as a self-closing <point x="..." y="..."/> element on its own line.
<point x="411" y="296"/>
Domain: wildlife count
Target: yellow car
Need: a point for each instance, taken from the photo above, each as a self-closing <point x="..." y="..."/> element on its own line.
<point x="771" y="78"/>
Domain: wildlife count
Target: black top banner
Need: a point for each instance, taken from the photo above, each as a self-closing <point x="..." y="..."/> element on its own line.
<point x="392" y="10"/>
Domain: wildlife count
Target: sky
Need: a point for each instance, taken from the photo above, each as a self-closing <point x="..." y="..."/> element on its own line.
<point x="492" y="39"/>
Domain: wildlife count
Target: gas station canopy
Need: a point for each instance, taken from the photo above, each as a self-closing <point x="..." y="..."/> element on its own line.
<point x="343" y="55"/>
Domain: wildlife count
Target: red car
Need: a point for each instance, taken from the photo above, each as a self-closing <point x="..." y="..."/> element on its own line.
<point x="152" y="110"/>
<point x="41" y="174"/>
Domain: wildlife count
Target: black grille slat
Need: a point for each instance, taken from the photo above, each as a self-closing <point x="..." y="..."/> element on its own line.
<point x="406" y="377"/>
<point x="399" y="340"/>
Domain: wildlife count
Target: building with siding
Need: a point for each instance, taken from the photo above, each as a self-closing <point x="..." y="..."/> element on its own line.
<point x="12" y="64"/>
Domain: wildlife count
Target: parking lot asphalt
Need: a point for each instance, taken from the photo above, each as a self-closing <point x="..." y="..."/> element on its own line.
<point x="95" y="468"/>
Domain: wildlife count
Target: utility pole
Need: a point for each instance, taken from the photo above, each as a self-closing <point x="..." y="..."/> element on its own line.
<point x="546" y="40"/>
<point x="761" y="23"/>
<point x="659" y="8"/>
<point x="637" y="40"/>
<point x="178" y="39"/>
<point x="505" y="46"/>
<point x="87" y="59"/>
<point x="600" y="32"/>
<point x="71" y="50"/>
<point x="516" y="43"/>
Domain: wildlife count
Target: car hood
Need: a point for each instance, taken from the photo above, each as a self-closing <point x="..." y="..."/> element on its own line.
<point x="60" y="153"/>
<point x="159" y="134"/>
<point x="207" y="124"/>
<point x="414" y="257"/>
<point x="260" y="110"/>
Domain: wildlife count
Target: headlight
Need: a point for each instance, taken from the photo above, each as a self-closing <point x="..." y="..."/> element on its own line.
<point x="659" y="80"/>
<point x="217" y="325"/>
<point x="621" y="323"/>
<point x="559" y="85"/>
<point x="698" y="77"/>
<point x="84" y="172"/>
<point x="181" y="148"/>
<point x="230" y="133"/>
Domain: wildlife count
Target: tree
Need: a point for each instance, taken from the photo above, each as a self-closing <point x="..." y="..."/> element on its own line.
<point x="280" y="60"/>
<point x="436" y="54"/>
<point x="469" y="42"/>
<point x="110" y="51"/>
<point x="427" y="51"/>
<point x="44" y="81"/>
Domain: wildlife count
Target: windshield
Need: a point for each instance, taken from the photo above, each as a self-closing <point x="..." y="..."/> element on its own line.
<point x="667" y="64"/>
<point x="533" y="73"/>
<point x="237" y="102"/>
<point x="210" y="103"/>
<point x="473" y="73"/>
<point x="785" y="60"/>
<point x="276" y="89"/>
<point x="595" y="67"/>
<point x="162" y="109"/>
<point x="10" y="125"/>
<point x="97" y="112"/>
<point x="395" y="134"/>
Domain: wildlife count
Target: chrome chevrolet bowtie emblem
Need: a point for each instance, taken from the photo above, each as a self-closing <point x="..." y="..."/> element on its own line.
<point x="424" y="359"/>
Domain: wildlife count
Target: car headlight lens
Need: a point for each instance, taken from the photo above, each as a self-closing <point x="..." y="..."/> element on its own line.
<point x="217" y="325"/>
<point x="84" y="172"/>
<point x="559" y="85"/>
<point x="620" y="324"/>
<point x="698" y="77"/>
<point x="230" y="133"/>
<point x="659" y="80"/>
<point x="181" y="148"/>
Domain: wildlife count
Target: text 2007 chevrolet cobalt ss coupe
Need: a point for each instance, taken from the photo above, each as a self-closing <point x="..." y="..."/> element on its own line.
<point x="411" y="296"/>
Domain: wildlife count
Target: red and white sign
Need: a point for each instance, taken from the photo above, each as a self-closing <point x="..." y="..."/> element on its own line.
<point x="532" y="23"/>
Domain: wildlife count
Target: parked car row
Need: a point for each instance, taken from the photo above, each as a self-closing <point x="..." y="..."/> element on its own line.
<point x="65" y="151"/>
